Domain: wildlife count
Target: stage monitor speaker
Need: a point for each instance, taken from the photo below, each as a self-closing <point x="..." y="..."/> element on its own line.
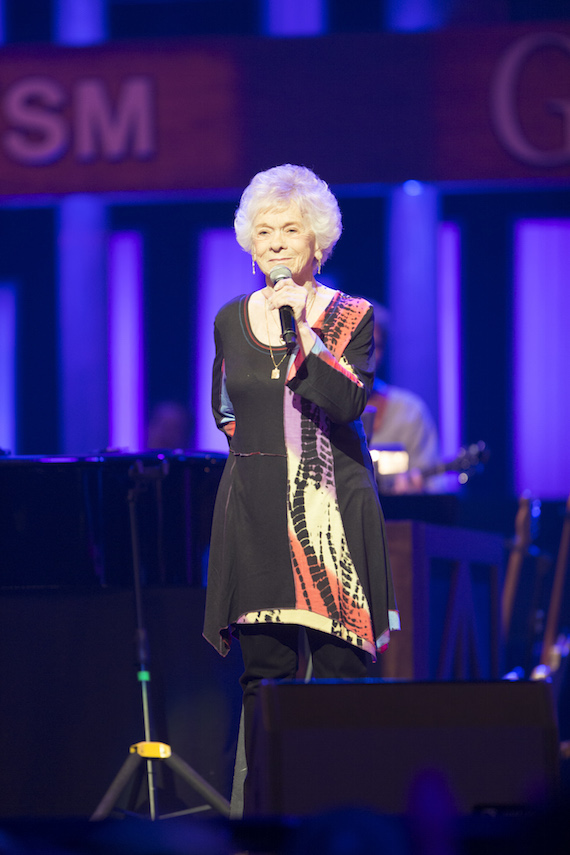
<point x="328" y="744"/>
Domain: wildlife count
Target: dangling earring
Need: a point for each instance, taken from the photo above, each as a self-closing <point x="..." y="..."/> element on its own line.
<point x="253" y="264"/>
<point x="318" y="267"/>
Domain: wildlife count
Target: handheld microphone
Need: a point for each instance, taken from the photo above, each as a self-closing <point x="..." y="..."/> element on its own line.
<point x="288" y="329"/>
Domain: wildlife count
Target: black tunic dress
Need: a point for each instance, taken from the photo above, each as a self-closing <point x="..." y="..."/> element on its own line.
<point x="298" y="533"/>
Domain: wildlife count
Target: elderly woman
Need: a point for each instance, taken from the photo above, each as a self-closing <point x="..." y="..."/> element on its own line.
<point x="298" y="534"/>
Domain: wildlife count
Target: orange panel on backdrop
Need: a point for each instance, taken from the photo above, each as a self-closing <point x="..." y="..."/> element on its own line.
<point x="502" y="103"/>
<point x="151" y="117"/>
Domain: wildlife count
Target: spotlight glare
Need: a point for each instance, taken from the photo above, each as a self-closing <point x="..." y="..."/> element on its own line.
<point x="413" y="188"/>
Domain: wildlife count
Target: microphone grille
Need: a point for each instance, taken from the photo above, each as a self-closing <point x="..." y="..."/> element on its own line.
<point x="279" y="272"/>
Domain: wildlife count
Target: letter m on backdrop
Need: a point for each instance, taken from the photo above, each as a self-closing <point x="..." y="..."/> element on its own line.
<point x="114" y="131"/>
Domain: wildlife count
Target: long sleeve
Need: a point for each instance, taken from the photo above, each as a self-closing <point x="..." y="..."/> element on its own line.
<point x="221" y="404"/>
<point x="337" y="375"/>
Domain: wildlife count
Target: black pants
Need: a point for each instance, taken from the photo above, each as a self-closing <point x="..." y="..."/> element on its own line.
<point x="271" y="652"/>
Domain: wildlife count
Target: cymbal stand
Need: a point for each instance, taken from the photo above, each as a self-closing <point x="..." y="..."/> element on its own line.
<point x="150" y="750"/>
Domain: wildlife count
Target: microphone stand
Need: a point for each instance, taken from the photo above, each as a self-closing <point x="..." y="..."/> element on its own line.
<point x="150" y="750"/>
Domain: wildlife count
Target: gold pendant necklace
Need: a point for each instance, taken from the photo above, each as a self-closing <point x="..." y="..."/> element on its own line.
<point x="275" y="374"/>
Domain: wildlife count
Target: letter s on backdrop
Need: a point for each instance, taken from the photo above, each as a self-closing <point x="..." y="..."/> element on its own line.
<point x="38" y="134"/>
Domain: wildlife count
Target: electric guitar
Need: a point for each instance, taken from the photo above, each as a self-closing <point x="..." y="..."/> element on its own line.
<point x="391" y="462"/>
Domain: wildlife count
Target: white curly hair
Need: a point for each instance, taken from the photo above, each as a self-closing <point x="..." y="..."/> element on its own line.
<point x="276" y="188"/>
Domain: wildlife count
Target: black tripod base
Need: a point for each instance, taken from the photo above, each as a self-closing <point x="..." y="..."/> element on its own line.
<point x="179" y="767"/>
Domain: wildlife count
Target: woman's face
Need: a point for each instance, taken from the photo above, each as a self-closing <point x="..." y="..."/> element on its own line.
<point x="280" y="236"/>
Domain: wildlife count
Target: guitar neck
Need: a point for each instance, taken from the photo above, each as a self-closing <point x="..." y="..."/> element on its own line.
<point x="439" y="469"/>
<point x="555" y="605"/>
<point x="467" y="460"/>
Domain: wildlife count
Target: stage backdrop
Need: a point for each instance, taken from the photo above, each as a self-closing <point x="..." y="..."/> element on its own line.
<point x="485" y="105"/>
